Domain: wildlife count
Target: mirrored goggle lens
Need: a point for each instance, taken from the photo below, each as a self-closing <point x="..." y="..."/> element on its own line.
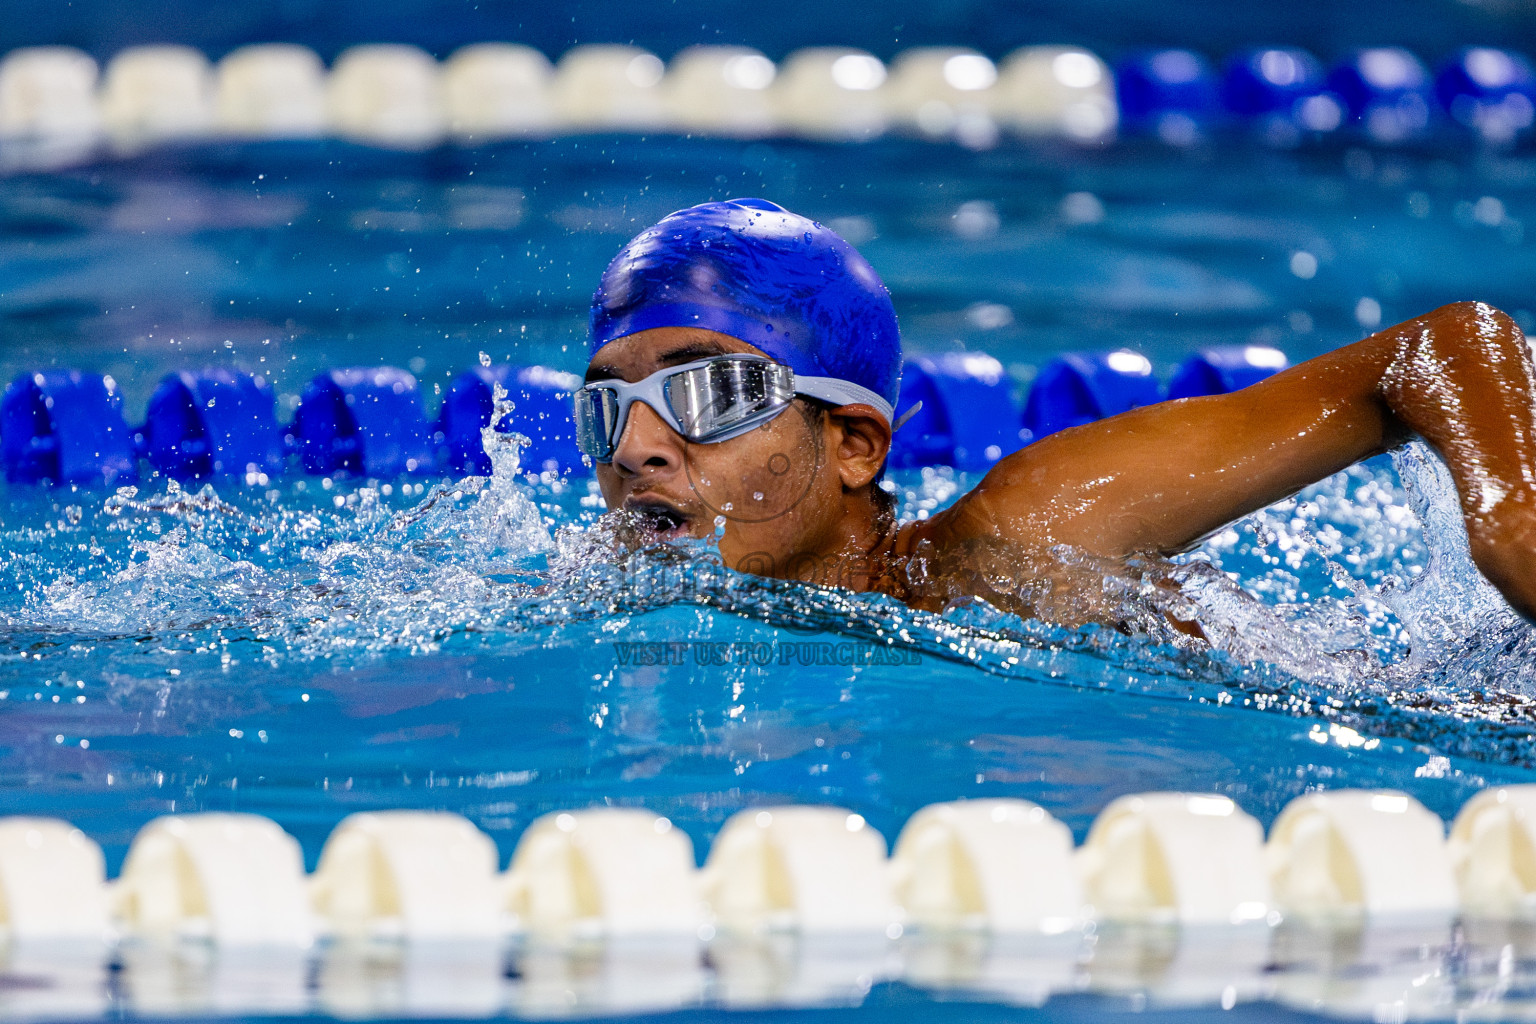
<point x="727" y="395"/>
<point x="597" y="414"/>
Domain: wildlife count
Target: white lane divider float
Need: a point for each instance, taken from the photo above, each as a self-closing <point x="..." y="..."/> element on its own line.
<point x="720" y="90"/>
<point x="155" y="93"/>
<point x="1186" y="857"/>
<point x="1493" y="852"/>
<point x="1354" y="852"/>
<point x="604" y="872"/>
<point x="51" y="881"/>
<point x="1004" y="867"/>
<point x="828" y="92"/>
<point x="994" y="865"/>
<point x="53" y="109"/>
<point x="1056" y="90"/>
<point x="237" y="879"/>
<point x="609" y="87"/>
<point x="54" y="923"/>
<point x="944" y="92"/>
<point x="497" y="91"/>
<point x="386" y="95"/>
<point x="416" y="875"/>
<point x="49" y="115"/>
<point x="807" y="869"/>
<point x="270" y="91"/>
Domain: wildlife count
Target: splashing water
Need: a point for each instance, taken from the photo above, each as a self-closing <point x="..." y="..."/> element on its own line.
<point x="307" y="577"/>
<point x="1356" y="602"/>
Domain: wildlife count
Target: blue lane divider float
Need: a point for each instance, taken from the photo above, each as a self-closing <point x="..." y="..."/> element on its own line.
<point x="967" y="419"/>
<point x="541" y="412"/>
<point x="1386" y="92"/>
<point x="1227" y="368"/>
<point x="219" y="422"/>
<point x="1281" y="91"/>
<point x="67" y="427"/>
<point x="1382" y="93"/>
<point x="1264" y="82"/>
<point x="1492" y="92"/>
<point x="1080" y="387"/>
<point x="1169" y="93"/>
<point x="365" y="421"/>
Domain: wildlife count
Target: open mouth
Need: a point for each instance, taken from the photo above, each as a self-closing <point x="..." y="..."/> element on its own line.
<point x="653" y="521"/>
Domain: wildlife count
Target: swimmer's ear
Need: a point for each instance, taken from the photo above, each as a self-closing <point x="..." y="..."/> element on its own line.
<point x="861" y="440"/>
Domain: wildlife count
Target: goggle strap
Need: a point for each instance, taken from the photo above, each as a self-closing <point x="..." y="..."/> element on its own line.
<point x="842" y="392"/>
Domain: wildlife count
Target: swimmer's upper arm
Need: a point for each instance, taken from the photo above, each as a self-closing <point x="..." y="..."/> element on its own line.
<point x="1158" y="479"/>
<point x="1161" y="478"/>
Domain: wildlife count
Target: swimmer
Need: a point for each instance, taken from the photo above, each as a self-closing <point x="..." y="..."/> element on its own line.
<point x="745" y="365"/>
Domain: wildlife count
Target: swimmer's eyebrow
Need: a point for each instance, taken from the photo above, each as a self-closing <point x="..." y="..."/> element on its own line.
<point x="682" y="354"/>
<point x="689" y="352"/>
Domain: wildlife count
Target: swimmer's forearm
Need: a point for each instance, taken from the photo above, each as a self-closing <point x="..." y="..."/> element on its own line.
<point x="1462" y="378"/>
<point x="1159" y="478"/>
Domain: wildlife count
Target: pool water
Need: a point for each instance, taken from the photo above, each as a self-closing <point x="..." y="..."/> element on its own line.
<point x="313" y="647"/>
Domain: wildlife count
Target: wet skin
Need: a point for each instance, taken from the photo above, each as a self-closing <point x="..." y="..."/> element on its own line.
<point x="1150" y="482"/>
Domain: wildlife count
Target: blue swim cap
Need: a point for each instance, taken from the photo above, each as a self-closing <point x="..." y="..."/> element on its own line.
<point x="751" y="269"/>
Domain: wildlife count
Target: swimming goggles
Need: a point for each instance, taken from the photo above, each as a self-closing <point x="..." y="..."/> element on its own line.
<point x="706" y="401"/>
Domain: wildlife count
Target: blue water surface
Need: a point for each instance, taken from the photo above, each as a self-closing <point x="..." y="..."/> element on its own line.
<point x="307" y="648"/>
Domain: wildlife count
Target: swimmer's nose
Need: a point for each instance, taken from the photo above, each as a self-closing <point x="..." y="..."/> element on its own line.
<point x="647" y="444"/>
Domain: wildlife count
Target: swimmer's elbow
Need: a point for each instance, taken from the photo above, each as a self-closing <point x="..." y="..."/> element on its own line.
<point x="1459" y="338"/>
<point x="1472" y="323"/>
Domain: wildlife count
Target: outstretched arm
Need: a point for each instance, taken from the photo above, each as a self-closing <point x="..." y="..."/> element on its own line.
<point x="1158" y="479"/>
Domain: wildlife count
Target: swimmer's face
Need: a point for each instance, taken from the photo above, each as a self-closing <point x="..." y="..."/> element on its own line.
<point x="780" y="489"/>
